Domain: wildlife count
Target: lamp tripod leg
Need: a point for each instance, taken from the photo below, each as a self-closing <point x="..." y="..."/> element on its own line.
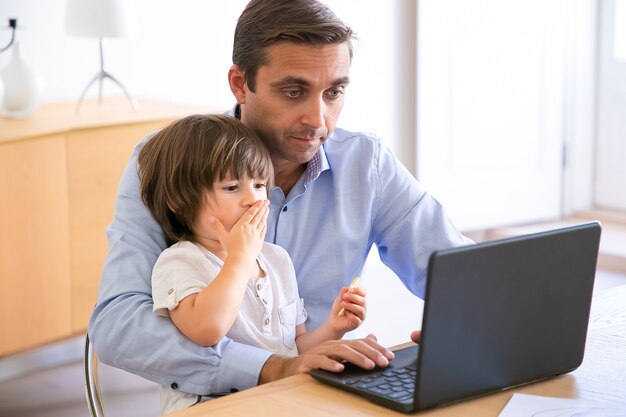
<point x="99" y="76"/>
<point x="133" y="102"/>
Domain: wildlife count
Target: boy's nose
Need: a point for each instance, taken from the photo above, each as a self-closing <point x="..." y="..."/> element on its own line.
<point x="250" y="197"/>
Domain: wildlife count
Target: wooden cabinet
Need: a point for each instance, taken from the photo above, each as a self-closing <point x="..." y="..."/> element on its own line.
<point x="59" y="173"/>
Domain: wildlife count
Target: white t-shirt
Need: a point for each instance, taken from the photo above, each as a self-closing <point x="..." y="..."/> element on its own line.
<point x="270" y="311"/>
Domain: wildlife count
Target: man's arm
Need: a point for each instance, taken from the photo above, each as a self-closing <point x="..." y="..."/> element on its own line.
<point x="128" y="335"/>
<point x="409" y="224"/>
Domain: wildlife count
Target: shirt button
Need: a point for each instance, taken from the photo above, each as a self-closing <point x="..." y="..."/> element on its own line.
<point x="258" y="286"/>
<point x="285" y="208"/>
<point x="267" y="321"/>
<point x="171" y="290"/>
<point x="174" y="385"/>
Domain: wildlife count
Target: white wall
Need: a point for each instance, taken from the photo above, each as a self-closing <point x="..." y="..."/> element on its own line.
<point x="181" y="51"/>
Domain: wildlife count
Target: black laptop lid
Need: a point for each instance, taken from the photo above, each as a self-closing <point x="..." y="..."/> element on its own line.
<point x="506" y="312"/>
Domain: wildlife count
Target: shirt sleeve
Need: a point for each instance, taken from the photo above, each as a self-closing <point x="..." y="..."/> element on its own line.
<point x="128" y="335"/>
<point x="410" y="224"/>
<point x="179" y="272"/>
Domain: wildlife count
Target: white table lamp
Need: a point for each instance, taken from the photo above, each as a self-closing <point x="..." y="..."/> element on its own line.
<point x="98" y="19"/>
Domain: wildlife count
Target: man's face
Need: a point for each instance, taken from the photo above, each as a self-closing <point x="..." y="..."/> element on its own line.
<point x="299" y="96"/>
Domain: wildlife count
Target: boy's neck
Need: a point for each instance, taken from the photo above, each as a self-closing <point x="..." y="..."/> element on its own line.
<point x="215" y="247"/>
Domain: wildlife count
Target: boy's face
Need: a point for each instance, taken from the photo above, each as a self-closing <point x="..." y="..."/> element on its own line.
<point x="299" y="96"/>
<point x="227" y="202"/>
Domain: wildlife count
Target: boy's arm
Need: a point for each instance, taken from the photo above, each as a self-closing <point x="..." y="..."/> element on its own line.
<point x="347" y="313"/>
<point x="206" y="317"/>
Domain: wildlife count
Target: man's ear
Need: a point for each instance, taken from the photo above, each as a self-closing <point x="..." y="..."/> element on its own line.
<point x="237" y="82"/>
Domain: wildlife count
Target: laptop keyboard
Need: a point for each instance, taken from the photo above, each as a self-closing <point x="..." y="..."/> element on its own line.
<point x="396" y="384"/>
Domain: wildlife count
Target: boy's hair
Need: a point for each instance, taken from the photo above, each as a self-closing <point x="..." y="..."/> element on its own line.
<point x="265" y="22"/>
<point x="184" y="159"/>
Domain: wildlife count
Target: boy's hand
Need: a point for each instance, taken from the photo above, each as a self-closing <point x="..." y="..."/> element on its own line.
<point x="354" y="305"/>
<point x="245" y="238"/>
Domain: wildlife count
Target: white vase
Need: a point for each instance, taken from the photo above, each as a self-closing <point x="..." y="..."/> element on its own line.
<point x="21" y="90"/>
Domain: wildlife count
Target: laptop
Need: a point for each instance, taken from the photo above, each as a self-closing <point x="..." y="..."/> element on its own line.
<point x="497" y="315"/>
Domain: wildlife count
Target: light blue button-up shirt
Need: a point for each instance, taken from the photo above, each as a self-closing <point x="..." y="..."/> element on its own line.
<point x="354" y="193"/>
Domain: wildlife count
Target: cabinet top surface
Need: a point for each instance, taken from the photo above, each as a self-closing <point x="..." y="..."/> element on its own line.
<point x="53" y="118"/>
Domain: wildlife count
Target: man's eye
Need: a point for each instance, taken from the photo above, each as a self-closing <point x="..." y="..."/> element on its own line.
<point x="294" y="93"/>
<point x="334" y="94"/>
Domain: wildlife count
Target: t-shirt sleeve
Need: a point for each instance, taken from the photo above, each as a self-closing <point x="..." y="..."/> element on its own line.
<point x="301" y="313"/>
<point x="178" y="273"/>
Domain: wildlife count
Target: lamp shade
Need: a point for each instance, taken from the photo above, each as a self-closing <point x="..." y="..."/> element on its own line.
<point x="96" y="18"/>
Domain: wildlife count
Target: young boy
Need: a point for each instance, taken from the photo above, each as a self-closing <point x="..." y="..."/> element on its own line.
<point x="205" y="179"/>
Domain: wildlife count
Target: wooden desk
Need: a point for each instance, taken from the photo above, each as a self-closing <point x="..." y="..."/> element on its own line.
<point x="601" y="377"/>
<point x="59" y="173"/>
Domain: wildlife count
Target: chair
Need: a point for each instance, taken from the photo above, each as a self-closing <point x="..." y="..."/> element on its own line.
<point x="92" y="382"/>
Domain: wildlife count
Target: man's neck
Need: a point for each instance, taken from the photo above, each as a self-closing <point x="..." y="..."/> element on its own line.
<point x="287" y="174"/>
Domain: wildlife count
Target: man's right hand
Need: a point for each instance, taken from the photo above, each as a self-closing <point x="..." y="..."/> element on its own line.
<point x="366" y="353"/>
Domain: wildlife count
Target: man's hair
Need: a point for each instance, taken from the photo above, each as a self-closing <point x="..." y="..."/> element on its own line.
<point x="183" y="160"/>
<point x="265" y="22"/>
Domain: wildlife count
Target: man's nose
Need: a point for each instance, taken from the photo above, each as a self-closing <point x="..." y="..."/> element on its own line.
<point x="314" y="113"/>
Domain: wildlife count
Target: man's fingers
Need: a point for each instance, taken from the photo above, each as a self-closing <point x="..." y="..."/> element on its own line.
<point x="365" y="353"/>
<point x="320" y="362"/>
<point x="416" y="336"/>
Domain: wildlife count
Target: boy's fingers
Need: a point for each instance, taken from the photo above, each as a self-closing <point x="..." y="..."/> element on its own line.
<point x="359" y="290"/>
<point x="263" y="230"/>
<point x="219" y="227"/>
<point x="355" y="309"/>
<point x="253" y="213"/>
<point x="354" y="299"/>
<point x="258" y="211"/>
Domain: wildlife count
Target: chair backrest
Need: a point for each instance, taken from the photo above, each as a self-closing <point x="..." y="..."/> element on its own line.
<point x="92" y="382"/>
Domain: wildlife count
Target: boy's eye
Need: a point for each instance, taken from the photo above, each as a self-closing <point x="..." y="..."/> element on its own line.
<point x="259" y="186"/>
<point x="231" y="188"/>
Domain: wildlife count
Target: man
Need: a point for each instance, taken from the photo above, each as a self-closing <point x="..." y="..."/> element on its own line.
<point x="337" y="193"/>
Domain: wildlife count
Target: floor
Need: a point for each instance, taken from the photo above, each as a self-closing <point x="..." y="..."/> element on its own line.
<point x="58" y="389"/>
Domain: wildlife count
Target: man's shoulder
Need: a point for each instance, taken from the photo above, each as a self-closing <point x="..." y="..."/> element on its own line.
<point x="342" y="136"/>
<point x="346" y="145"/>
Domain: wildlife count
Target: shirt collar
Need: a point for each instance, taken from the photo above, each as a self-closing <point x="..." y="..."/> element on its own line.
<point x="316" y="166"/>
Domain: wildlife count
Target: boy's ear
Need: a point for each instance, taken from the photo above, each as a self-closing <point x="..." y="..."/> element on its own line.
<point x="237" y="82"/>
<point x="171" y="207"/>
